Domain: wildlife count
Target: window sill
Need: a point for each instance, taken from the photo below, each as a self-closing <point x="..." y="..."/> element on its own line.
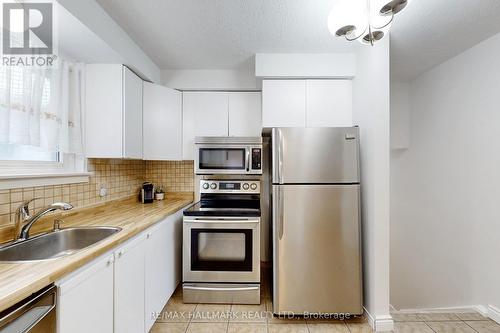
<point x="8" y="182"/>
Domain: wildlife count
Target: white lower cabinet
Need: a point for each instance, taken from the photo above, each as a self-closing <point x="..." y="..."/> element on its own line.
<point x="129" y="286"/>
<point x="85" y="299"/>
<point x="163" y="260"/>
<point x="124" y="290"/>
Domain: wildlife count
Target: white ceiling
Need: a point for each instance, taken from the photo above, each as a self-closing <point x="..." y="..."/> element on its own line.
<point x="429" y="32"/>
<point x="225" y="34"/>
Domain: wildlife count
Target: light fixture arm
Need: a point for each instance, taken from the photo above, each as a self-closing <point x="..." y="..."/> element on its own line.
<point x="390" y="21"/>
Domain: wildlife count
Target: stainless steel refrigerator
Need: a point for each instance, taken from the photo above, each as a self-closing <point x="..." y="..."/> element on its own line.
<point x="316" y="221"/>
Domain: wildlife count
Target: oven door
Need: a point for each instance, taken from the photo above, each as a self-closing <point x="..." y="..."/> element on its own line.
<point x="221" y="249"/>
<point x="224" y="159"/>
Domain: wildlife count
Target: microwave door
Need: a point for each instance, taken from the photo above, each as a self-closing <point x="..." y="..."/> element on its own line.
<point x="222" y="160"/>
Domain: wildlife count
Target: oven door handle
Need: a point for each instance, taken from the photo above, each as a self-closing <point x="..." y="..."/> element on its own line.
<point x="221" y="288"/>
<point x="215" y="221"/>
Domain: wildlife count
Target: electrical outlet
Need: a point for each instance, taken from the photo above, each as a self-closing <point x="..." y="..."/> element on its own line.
<point x="103" y="191"/>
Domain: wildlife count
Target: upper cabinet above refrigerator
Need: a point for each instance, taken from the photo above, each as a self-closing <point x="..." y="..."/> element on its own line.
<point x="113" y="117"/>
<point x="306" y="103"/>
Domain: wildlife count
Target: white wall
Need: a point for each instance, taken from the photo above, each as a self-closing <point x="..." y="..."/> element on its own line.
<point x="206" y="79"/>
<point x="371" y="111"/>
<point x="400" y="114"/>
<point x="445" y="221"/>
<point x="96" y="19"/>
<point x="305" y="65"/>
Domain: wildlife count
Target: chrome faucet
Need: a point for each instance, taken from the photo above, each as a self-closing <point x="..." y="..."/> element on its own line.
<point x="25" y="221"/>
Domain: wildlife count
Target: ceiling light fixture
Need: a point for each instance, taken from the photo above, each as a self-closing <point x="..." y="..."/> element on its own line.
<point x="367" y="21"/>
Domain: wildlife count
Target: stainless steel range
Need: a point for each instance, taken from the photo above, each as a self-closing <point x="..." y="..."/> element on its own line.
<point x="221" y="248"/>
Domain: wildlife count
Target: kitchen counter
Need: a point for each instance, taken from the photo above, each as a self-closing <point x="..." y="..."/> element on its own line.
<point x="20" y="280"/>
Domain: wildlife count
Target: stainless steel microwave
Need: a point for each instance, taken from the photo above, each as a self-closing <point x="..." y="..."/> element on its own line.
<point x="228" y="155"/>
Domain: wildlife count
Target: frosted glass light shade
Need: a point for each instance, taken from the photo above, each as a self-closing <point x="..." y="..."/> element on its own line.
<point x="390" y="7"/>
<point x="348" y="18"/>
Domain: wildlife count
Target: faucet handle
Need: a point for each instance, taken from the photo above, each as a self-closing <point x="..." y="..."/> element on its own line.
<point x="24" y="210"/>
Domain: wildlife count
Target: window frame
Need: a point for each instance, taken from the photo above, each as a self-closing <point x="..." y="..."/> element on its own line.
<point x="18" y="174"/>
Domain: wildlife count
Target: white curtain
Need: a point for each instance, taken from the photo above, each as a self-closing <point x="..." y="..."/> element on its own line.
<point x="42" y="107"/>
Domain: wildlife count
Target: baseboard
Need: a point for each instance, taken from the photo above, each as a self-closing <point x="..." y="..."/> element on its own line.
<point x="490" y="311"/>
<point x="450" y="309"/>
<point x="380" y="323"/>
<point x="494" y="313"/>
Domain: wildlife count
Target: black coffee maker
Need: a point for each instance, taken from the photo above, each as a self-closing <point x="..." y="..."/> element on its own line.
<point x="147" y="192"/>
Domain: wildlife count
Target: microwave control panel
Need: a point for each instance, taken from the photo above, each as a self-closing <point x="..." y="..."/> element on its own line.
<point x="256" y="159"/>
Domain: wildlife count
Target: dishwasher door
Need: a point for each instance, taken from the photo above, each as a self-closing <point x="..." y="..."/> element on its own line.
<point x="35" y="314"/>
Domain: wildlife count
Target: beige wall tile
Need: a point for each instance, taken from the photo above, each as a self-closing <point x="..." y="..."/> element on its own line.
<point x="122" y="178"/>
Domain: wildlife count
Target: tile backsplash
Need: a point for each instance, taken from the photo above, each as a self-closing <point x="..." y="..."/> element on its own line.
<point x="173" y="176"/>
<point x="121" y="178"/>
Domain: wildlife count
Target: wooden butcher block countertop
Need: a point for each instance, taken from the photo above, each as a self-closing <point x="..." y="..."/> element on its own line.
<point x="20" y="280"/>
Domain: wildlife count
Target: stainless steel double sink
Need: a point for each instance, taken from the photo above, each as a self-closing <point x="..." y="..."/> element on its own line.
<point x="55" y="244"/>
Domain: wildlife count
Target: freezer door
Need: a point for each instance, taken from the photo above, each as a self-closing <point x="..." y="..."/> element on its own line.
<point x="315" y="155"/>
<point x="316" y="249"/>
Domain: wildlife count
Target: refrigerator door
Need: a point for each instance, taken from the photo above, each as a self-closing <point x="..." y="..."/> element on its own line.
<point x="315" y="155"/>
<point x="316" y="249"/>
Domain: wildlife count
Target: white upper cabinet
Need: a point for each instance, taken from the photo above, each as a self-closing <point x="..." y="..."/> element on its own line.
<point x="245" y="114"/>
<point x="219" y="114"/>
<point x="329" y="103"/>
<point x="113" y="118"/>
<point x="162" y="111"/>
<point x="204" y="114"/>
<point x="284" y="103"/>
<point x="306" y="103"/>
<point x="132" y="111"/>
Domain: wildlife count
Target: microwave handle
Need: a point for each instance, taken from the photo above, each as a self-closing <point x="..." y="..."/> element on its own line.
<point x="247" y="159"/>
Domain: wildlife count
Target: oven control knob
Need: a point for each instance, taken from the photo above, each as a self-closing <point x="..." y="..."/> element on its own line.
<point x="245" y="186"/>
<point x="205" y="186"/>
<point x="213" y="186"/>
<point x="253" y="186"/>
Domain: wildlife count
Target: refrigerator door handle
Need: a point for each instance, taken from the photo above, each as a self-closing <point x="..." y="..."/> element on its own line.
<point x="277" y="146"/>
<point x="280" y="156"/>
<point x="281" y="222"/>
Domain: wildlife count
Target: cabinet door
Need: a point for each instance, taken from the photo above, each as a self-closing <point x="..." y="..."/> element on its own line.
<point x="162" y="123"/>
<point x="329" y="103"/>
<point x="283" y="103"/>
<point x="163" y="264"/>
<point x="174" y="251"/>
<point x="85" y="299"/>
<point x="132" y="115"/>
<point x="129" y="286"/>
<point x="245" y="112"/>
<point x="204" y="114"/>
<point x="156" y="271"/>
<point x="104" y="112"/>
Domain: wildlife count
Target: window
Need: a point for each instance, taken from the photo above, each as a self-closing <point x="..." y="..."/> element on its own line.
<point x="19" y="152"/>
<point x="40" y="120"/>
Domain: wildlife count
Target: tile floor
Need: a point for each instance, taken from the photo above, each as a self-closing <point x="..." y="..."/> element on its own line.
<point x="178" y="317"/>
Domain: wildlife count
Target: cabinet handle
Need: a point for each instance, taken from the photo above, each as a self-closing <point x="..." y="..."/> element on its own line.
<point x="148" y="235"/>
<point x="110" y="261"/>
<point x="120" y="253"/>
